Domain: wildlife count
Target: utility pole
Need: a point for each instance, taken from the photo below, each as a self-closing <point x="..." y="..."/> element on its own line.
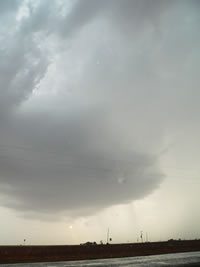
<point x="108" y="236"/>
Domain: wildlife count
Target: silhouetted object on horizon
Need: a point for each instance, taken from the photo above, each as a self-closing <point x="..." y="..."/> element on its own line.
<point x="108" y="237"/>
<point x="88" y="244"/>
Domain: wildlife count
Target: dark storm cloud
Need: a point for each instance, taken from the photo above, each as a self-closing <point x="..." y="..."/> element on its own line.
<point x="8" y="6"/>
<point x="127" y="15"/>
<point x="87" y="97"/>
<point x="72" y="164"/>
<point x="22" y="64"/>
<point x="82" y="13"/>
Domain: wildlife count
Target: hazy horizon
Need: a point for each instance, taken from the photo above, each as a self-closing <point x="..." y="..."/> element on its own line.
<point x="99" y="120"/>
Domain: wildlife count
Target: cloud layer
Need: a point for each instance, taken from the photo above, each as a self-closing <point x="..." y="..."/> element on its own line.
<point x="89" y="90"/>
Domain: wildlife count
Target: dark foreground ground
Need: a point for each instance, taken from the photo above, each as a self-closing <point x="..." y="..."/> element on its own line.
<point x="19" y="254"/>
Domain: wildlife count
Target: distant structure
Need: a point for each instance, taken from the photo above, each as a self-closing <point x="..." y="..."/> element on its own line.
<point x="88" y="243"/>
<point x="108" y="236"/>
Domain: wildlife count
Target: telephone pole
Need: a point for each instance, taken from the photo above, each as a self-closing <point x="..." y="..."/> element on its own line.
<point x="108" y="236"/>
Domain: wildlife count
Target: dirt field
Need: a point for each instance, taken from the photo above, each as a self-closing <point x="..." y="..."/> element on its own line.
<point x="17" y="254"/>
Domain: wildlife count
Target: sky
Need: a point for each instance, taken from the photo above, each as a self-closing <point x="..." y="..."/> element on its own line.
<point x="99" y="120"/>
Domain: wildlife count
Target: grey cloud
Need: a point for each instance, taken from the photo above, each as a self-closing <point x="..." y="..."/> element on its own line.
<point x="42" y="17"/>
<point x="85" y="134"/>
<point x="82" y="13"/>
<point x="129" y="17"/>
<point x="55" y="171"/>
<point x="8" y="6"/>
<point x="22" y="65"/>
<point x="18" y="72"/>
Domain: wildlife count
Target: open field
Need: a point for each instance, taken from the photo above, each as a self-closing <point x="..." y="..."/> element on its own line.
<point x="19" y="254"/>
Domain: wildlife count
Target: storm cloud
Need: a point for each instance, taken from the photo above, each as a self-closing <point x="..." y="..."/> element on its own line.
<point x="89" y="92"/>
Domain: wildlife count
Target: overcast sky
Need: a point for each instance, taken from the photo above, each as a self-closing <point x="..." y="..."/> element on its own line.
<point x="99" y="120"/>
